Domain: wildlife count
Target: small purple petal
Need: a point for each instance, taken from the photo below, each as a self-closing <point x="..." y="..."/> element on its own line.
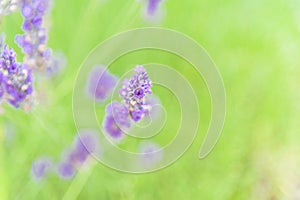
<point x="27" y="26"/>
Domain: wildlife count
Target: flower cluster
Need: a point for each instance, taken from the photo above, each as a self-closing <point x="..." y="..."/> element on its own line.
<point x="16" y="82"/>
<point x="33" y="42"/>
<point x="134" y="92"/>
<point x="133" y="107"/>
<point x="85" y="144"/>
<point x="8" y="6"/>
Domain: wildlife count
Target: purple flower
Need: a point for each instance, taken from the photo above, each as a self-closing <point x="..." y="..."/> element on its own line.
<point x="100" y="83"/>
<point x="41" y="167"/>
<point x="112" y="128"/>
<point x="65" y="170"/>
<point x="119" y="112"/>
<point x="86" y="143"/>
<point x="116" y="119"/>
<point x="27" y="11"/>
<point x="16" y="78"/>
<point x="152" y="6"/>
<point x="151" y="153"/>
<point x="33" y="42"/>
<point x="137" y="114"/>
<point x="134" y="92"/>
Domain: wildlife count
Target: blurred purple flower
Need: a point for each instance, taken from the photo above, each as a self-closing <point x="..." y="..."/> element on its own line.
<point x="40" y="167"/>
<point x="100" y="83"/>
<point x="116" y="120"/>
<point x="112" y="128"/>
<point x="151" y="153"/>
<point x="33" y="42"/>
<point x="86" y="143"/>
<point x="65" y="170"/>
<point x="153" y="6"/>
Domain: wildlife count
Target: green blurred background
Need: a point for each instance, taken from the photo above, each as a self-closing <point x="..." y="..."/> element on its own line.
<point x="256" y="46"/>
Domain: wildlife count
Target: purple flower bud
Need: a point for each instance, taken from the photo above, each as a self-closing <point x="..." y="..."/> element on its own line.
<point x="19" y="39"/>
<point x="27" y="26"/>
<point x="27" y="11"/>
<point x="37" y="21"/>
<point x="137" y="114"/>
<point x="139" y="93"/>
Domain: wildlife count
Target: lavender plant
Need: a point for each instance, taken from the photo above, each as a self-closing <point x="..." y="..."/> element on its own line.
<point x="134" y="93"/>
<point x="84" y="144"/>
<point x="133" y="106"/>
<point x="16" y="81"/>
<point x="33" y="42"/>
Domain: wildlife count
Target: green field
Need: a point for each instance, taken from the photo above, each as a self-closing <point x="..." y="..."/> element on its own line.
<point x="256" y="47"/>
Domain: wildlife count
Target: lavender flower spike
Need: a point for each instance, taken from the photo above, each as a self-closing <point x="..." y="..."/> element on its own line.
<point x="16" y="82"/>
<point x="134" y="92"/>
<point x="85" y="144"/>
<point x="33" y="42"/>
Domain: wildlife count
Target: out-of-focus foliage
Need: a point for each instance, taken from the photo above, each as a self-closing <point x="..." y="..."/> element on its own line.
<point x="256" y="46"/>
